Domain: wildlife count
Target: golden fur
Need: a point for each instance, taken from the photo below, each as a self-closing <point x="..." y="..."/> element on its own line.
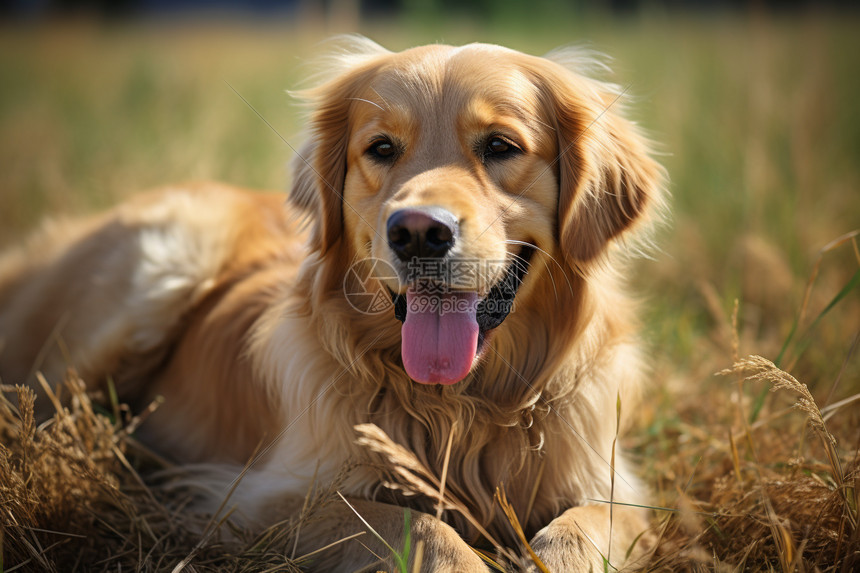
<point x="220" y="301"/>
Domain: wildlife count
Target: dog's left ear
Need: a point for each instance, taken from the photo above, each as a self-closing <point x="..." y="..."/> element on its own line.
<point x="608" y="181"/>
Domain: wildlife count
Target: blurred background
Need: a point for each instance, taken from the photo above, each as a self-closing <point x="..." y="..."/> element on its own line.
<point x="754" y="107"/>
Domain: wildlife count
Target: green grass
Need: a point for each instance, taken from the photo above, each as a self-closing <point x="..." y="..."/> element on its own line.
<point x="756" y="116"/>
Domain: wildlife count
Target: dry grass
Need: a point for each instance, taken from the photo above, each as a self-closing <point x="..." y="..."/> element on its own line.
<point x="793" y="514"/>
<point x="71" y="500"/>
<point x="760" y="123"/>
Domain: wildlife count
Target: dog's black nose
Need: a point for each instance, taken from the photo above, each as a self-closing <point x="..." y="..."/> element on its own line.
<point x="421" y="232"/>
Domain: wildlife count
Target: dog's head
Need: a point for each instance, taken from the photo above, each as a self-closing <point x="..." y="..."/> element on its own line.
<point x="461" y="167"/>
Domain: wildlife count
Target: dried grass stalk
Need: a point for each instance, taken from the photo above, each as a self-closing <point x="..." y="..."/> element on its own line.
<point x="758" y="368"/>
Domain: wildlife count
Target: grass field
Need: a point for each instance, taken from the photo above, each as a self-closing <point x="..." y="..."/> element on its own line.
<point x="759" y="123"/>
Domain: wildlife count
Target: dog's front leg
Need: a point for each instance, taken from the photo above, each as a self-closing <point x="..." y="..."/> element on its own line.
<point x="579" y="539"/>
<point x="444" y="551"/>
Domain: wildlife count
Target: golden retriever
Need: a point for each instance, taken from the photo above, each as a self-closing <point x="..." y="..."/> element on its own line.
<point x="449" y="266"/>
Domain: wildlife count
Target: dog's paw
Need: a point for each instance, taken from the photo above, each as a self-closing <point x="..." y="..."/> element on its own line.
<point x="562" y="548"/>
<point x="579" y="540"/>
<point x="444" y="551"/>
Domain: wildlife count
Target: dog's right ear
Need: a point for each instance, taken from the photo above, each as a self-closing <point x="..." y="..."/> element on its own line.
<point x="319" y="170"/>
<point x="317" y="190"/>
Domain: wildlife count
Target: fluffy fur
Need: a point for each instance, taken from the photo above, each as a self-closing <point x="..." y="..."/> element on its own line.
<point x="220" y="301"/>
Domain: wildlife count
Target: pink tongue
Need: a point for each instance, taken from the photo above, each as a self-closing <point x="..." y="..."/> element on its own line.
<point x="440" y="336"/>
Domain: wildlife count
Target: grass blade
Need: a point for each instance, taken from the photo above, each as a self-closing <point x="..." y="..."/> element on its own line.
<point x="515" y="523"/>
<point x="806" y="340"/>
<point x="809" y="284"/>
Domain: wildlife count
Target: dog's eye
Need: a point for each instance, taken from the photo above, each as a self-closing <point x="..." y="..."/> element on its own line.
<point x="498" y="147"/>
<point x="382" y="150"/>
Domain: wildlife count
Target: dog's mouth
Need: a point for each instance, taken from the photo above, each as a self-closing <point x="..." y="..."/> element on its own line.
<point x="444" y="331"/>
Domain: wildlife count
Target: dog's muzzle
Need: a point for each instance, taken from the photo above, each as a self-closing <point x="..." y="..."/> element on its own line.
<point x="444" y="331"/>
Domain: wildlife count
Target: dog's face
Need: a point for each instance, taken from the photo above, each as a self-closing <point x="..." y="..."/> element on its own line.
<point x="461" y="168"/>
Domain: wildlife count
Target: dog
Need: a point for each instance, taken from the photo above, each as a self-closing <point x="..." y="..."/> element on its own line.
<point x="448" y="266"/>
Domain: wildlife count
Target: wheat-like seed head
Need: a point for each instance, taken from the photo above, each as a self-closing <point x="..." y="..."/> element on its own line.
<point x="758" y="368"/>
